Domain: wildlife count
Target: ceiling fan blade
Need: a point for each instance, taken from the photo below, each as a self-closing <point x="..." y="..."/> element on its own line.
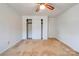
<point x="37" y="8"/>
<point x="48" y="6"/>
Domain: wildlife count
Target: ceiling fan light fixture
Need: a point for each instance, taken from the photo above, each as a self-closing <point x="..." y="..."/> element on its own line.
<point x="42" y="6"/>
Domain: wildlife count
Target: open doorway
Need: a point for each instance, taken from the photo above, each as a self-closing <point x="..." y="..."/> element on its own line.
<point x="29" y="28"/>
<point x="41" y="29"/>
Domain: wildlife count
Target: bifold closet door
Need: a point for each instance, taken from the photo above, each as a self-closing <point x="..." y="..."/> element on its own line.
<point x="36" y="28"/>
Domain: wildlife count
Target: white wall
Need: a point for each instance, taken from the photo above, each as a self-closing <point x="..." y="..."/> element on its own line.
<point x="51" y="28"/>
<point x="10" y="27"/>
<point x="67" y="26"/>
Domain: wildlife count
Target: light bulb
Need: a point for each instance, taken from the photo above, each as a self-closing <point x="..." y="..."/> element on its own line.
<point x="42" y="7"/>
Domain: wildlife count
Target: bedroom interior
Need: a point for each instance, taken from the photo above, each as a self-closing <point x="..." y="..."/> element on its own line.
<point x="30" y="29"/>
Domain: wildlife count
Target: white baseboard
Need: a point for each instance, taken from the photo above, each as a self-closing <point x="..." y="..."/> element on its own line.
<point x="9" y="46"/>
<point x="62" y="40"/>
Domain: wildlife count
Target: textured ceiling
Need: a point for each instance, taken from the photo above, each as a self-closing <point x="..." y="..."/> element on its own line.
<point x="29" y="8"/>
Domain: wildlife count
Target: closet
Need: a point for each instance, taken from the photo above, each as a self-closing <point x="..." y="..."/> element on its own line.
<point x="35" y="27"/>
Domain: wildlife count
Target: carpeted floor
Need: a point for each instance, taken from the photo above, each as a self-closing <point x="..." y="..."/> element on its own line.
<point x="50" y="47"/>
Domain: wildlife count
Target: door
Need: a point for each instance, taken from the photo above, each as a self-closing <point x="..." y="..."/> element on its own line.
<point x="36" y="28"/>
<point x="29" y="28"/>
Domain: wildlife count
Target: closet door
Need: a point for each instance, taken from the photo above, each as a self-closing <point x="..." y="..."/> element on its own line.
<point x="45" y="28"/>
<point x="36" y="28"/>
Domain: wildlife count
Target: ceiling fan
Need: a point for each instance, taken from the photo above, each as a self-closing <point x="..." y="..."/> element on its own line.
<point x="43" y="6"/>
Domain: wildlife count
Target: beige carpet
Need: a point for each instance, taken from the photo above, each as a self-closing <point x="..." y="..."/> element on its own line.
<point x="50" y="47"/>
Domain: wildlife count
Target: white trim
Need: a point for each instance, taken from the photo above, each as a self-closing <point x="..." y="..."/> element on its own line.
<point x="60" y="39"/>
<point x="9" y="46"/>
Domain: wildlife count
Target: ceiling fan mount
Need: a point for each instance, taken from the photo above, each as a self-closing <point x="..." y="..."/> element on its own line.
<point x="48" y="6"/>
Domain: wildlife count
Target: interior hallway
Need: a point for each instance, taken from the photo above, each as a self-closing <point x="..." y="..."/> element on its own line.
<point x="50" y="47"/>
